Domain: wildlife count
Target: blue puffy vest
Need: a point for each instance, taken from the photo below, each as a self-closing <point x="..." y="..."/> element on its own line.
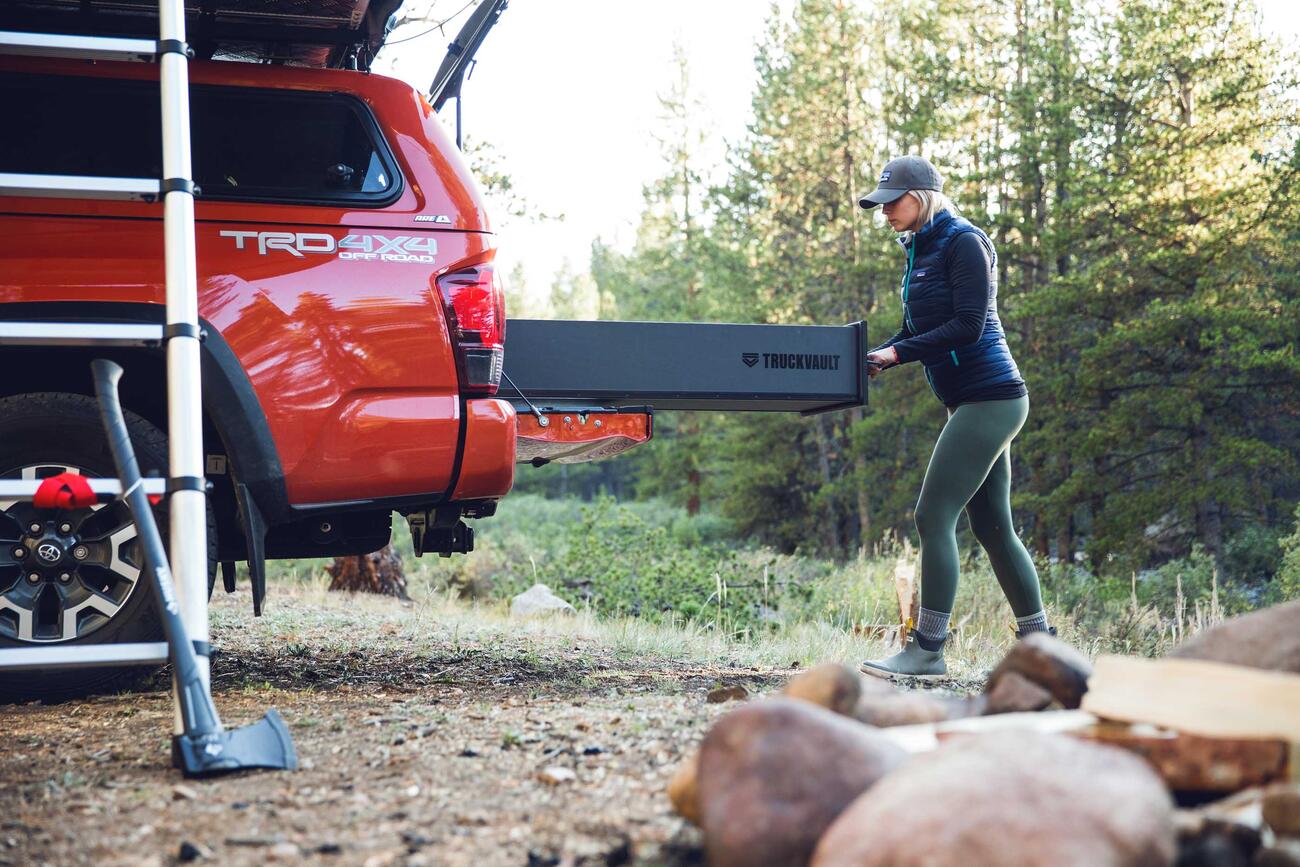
<point x="982" y="370"/>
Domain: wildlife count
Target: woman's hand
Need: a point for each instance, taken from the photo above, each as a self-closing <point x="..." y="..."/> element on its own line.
<point x="880" y="360"/>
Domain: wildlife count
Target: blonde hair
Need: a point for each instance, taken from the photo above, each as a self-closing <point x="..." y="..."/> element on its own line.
<point x="932" y="202"/>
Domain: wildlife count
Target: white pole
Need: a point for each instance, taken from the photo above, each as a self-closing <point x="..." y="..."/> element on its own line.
<point x="187" y="509"/>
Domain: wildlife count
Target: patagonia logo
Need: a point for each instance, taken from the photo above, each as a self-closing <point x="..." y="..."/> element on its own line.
<point x="884" y="176"/>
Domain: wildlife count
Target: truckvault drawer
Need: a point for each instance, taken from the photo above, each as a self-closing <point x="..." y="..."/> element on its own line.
<point x="686" y="365"/>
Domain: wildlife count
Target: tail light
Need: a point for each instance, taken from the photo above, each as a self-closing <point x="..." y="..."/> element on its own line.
<point x="476" y="315"/>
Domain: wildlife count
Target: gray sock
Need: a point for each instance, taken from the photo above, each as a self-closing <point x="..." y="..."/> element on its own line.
<point x="933" y="625"/>
<point x="1032" y="623"/>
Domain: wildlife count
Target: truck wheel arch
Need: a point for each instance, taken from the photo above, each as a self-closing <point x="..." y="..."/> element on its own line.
<point x="230" y="406"/>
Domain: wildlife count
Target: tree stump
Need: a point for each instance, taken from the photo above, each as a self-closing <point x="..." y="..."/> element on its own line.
<point x="378" y="572"/>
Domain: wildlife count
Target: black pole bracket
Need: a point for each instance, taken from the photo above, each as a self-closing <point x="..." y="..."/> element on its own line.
<point x="188" y="483"/>
<point x="179" y="185"/>
<point x="184" y="329"/>
<point x="175" y="46"/>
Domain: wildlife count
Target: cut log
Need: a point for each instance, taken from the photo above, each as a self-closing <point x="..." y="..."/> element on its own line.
<point x="905" y="587"/>
<point x="1191" y="764"/>
<point x="924" y="738"/>
<point x="1204" y="698"/>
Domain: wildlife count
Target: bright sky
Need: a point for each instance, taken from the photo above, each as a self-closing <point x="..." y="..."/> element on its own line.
<point x="566" y="91"/>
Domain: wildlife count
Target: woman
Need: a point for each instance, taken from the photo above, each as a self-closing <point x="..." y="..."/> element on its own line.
<point x="951" y="326"/>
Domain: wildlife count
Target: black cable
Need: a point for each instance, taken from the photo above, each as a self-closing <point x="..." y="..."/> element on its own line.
<point x="537" y="412"/>
<point x="441" y="24"/>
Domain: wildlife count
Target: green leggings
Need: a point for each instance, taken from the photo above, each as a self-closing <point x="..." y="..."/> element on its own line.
<point x="971" y="469"/>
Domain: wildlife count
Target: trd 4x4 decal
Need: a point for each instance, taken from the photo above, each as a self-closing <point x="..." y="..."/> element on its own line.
<point x="364" y="247"/>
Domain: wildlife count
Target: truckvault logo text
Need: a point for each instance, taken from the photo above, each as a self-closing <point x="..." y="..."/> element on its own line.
<point x="792" y="360"/>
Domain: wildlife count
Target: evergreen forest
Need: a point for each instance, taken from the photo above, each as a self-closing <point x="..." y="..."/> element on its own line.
<point x="1136" y="164"/>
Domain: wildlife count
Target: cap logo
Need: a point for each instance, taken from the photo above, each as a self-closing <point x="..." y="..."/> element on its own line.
<point x="884" y="176"/>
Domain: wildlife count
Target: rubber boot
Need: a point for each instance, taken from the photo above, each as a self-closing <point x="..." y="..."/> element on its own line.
<point x="912" y="661"/>
<point x="1051" y="630"/>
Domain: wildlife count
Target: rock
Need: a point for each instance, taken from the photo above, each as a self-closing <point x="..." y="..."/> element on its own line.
<point x="683" y="792"/>
<point x="267" y="840"/>
<point x="1048" y="662"/>
<point x="1221" y="834"/>
<point x="556" y="774"/>
<point x="283" y="852"/>
<point x="774" y="774"/>
<point x="830" y="685"/>
<point x="182" y="792"/>
<point x="415" y="842"/>
<point x="735" y="692"/>
<point x="618" y="854"/>
<point x="1015" y="693"/>
<point x="189" y="852"/>
<point x="1283" y="853"/>
<point x="1267" y="639"/>
<point x="538" y="599"/>
<point x="1008" y="798"/>
<point x="1281" y="809"/>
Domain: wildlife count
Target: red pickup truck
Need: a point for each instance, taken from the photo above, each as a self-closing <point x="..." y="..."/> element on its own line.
<point x="355" y="323"/>
<point x="354" y="320"/>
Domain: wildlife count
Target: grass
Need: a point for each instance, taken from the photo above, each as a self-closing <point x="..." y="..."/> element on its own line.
<point x="654" y="585"/>
<point x="304" y="618"/>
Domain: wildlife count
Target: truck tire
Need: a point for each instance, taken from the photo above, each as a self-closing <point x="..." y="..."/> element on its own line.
<point x="94" y="590"/>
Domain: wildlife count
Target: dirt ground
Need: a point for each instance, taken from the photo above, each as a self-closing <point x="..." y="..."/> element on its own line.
<point x="428" y="742"/>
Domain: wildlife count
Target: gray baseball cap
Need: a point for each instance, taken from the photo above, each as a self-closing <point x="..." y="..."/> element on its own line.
<point x="900" y="175"/>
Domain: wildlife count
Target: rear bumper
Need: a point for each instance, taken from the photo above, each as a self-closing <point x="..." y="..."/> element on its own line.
<point x="580" y="434"/>
<point x="487" y="466"/>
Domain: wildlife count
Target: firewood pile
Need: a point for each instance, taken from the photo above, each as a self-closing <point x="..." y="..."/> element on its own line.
<point x="1189" y="760"/>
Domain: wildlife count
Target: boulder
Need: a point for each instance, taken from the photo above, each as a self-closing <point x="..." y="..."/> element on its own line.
<point x="774" y="774"/>
<point x="1282" y="853"/>
<point x="1021" y="798"/>
<point x="1014" y="693"/>
<point x="1281" y="809"/>
<point x="830" y="685"/>
<point x="538" y="599"/>
<point x="895" y="708"/>
<point x="1224" y="833"/>
<point x="874" y="701"/>
<point x="1049" y="662"/>
<point x="1262" y="639"/>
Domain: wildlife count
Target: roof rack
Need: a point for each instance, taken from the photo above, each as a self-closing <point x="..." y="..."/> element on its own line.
<point x="328" y="34"/>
